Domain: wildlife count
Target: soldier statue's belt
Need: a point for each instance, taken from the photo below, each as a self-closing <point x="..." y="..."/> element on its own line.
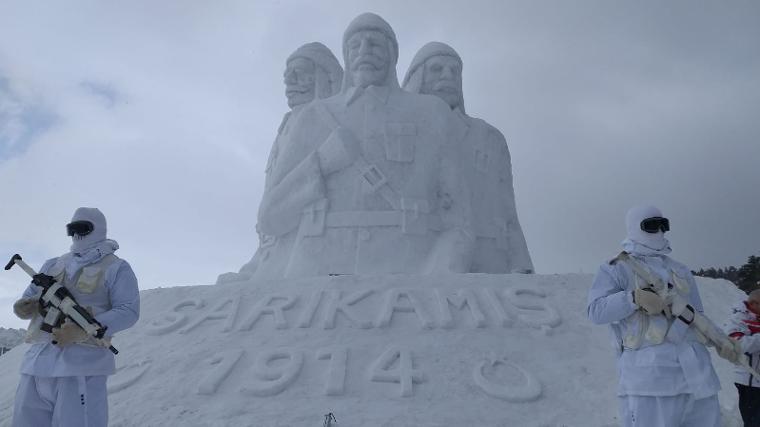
<point x="313" y="223"/>
<point x="375" y="219"/>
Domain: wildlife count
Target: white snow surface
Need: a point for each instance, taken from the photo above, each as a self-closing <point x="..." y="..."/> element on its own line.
<point x="11" y="337"/>
<point x="374" y="351"/>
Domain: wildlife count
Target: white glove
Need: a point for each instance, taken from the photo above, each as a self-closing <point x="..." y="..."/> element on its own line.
<point x="69" y="333"/>
<point x="648" y="300"/>
<point x="338" y="152"/>
<point x="25" y="308"/>
<point x="731" y="350"/>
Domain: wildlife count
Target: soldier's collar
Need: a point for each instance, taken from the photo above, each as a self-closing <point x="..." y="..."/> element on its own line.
<point x="379" y="92"/>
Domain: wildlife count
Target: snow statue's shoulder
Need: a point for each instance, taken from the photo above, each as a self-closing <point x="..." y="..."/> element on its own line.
<point x="492" y="131"/>
<point x="423" y="102"/>
<point x="321" y="113"/>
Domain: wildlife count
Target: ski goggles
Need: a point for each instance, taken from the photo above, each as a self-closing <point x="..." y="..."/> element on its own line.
<point x="80" y="228"/>
<point x="655" y="224"/>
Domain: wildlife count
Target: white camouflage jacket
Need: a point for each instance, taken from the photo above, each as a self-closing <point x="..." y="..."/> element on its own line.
<point x="114" y="298"/>
<point x="664" y="359"/>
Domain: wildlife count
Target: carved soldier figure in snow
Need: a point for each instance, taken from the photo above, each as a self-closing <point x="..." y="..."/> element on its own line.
<point x="500" y="245"/>
<point x="370" y="181"/>
<point x="312" y="71"/>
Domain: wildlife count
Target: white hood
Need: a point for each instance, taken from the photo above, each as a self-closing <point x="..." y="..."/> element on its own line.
<point x="639" y="241"/>
<point x="81" y="244"/>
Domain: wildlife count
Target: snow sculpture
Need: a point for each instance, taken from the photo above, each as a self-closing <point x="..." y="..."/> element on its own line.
<point x="378" y="180"/>
<point x="528" y="392"/>
<point x="368" y="182"/>
<point x="312" y="71"/>
<point x="273" y="338"/>
<point x="500" y="245"/>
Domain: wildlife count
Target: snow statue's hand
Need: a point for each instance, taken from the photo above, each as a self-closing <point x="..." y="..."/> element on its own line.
<point x="338" y="152"/>
<point x="648" y="300"/>
<point x="26" y="307"/>
<point x="69" y="333"/>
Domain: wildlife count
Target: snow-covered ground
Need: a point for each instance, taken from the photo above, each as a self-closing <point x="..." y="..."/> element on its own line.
<point x="10" y="338"/>
<point x="454" y="350"/>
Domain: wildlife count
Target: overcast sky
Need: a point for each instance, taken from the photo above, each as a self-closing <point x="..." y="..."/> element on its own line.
<point x="162" y="115"/>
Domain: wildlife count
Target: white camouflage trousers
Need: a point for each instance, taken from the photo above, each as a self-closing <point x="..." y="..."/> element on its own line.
<point x="61" y="402"/>
<point x="669" y="411"/>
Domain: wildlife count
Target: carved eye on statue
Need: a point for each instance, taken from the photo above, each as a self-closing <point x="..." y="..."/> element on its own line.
<point x="305" y="76"/>
<point x="368" y="42"/>
<point x="297" y="69"/>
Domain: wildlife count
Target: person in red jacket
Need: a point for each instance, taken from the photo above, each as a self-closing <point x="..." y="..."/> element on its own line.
<point x="744" y="325"/>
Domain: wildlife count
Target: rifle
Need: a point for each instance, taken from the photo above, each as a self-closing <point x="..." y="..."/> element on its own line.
<point x="703" y="325"/>
<point x="58" y="304"/>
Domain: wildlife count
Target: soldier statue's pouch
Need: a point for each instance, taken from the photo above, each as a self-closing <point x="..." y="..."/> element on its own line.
<point x="399" y="141"/>
<point x="414" y="216"/>
<point x="313" y="219"/>
<point x="89" y="279"/>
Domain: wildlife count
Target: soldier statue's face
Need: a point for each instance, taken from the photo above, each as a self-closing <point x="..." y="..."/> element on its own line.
<point x="299" y="81"/>
<point x="443" y="78"/>
<point x="368" y="58"/>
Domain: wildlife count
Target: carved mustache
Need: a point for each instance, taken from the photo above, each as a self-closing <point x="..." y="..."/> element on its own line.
<point x="294" y="89"/>
<point x="445" y="87"/>
<point x="372" y="60"/>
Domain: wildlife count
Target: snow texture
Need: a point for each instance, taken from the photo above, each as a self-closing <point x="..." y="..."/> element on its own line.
<point x="397" y="350"/>
<point x="10" y="338"/>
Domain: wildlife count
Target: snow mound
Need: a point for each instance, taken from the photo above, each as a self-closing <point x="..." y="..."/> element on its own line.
<point x="10" y="338"/>
<point x="399" y="350"/>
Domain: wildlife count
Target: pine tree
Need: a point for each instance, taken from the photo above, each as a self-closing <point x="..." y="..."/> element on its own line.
<point x="748" y="275"/>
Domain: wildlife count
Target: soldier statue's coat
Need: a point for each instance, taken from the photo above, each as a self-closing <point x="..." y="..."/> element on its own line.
<point x="324" y="79"/>
<point x="397" y="205"/>
<point x="500" y="245"/>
